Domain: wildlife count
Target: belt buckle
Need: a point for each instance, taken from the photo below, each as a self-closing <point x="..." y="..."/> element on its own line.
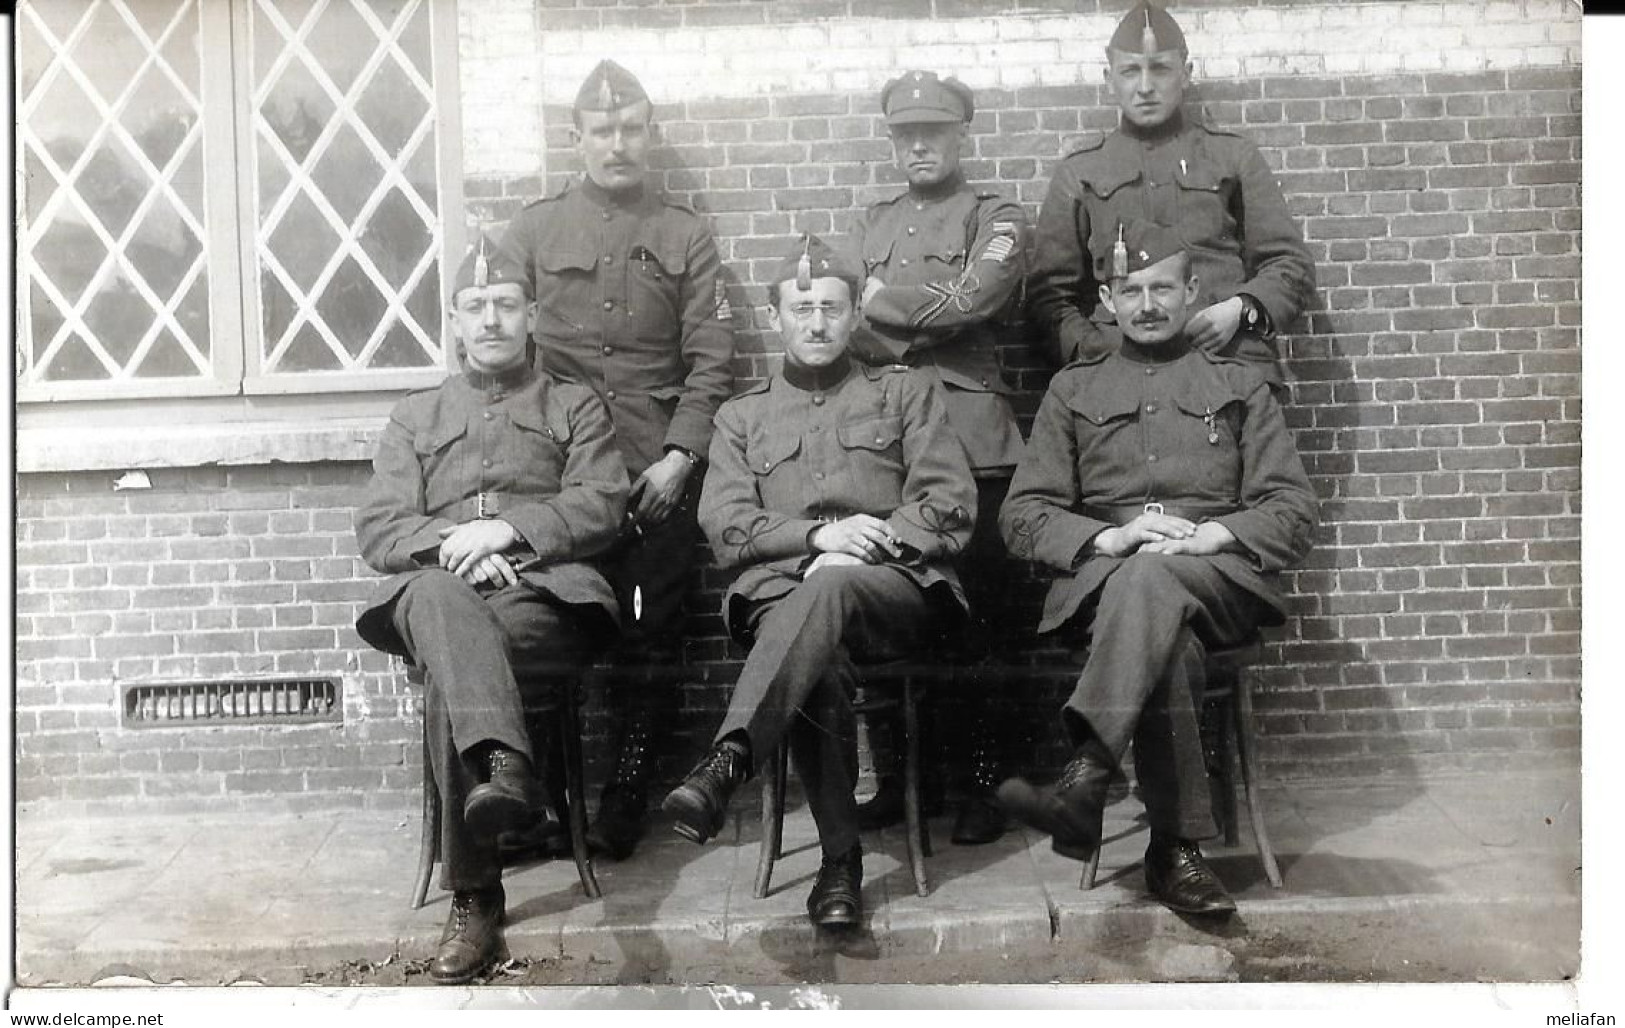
<point x="1153" y="508"/>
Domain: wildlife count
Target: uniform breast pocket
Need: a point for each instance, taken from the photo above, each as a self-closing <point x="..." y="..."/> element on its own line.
<point x="1107" y="432"/>
<point x="1210" y="432"/>
<point x="874" y="454"/>
<point x="945" y="260"/>
<point x="772" y="460"/>
<point x="437" y="451"/>
<point x="654" y="281"/>
<point x="876" y="254"/>
<point x="539" y="448"/>
<point x="1204" y="206"/>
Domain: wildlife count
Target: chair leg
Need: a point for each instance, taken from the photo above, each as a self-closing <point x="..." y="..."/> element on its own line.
<point x="575" y="786"/>
<point x="1091" y="868"/>
<point x="1227" y="776"/>
<point x="919" y="842"/>
<point x="1247" y="750"/>
<point x="772" y="845"/>
<point x="429" y="843"/>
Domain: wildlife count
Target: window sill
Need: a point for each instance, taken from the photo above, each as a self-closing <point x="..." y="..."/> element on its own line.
<point x="63" y="448"/>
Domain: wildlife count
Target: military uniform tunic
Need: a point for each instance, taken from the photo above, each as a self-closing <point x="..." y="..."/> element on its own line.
<point x="952" y="259"/>
<point x="803" y="449"/>
<point x="1205" y="439"/>
<point x="541" y="456"/>
<point x="630" y="304"/>
<point x="1211" y="187"/>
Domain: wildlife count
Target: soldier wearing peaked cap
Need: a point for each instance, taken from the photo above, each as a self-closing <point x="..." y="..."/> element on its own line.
<point x="1163" y="484"/>
<point x="489" y="495"/>
<point x="1210" y="186"/>
<point x="943" y="265"/>
<point x="840" y="494"/>
<point x="631" y="305"/>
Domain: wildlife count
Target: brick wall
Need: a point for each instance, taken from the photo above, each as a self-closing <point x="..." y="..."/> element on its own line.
<point x="1430" y="150"/>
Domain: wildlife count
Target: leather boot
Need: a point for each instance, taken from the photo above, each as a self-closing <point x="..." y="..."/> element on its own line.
<point x="980" y="818"/>
<point x="618" y="825"/>
<point x="1071" y="811"/>
<point x="509" y="798"/>
<point x="885" y="807"/>
<point x="1180" y="879"/>
<point x="699" y="806"/>
<point x="472" y="938"/>
<point x="836" y="900"/>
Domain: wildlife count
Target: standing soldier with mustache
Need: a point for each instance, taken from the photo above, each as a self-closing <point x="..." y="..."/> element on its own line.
<point x="630" y="304"/>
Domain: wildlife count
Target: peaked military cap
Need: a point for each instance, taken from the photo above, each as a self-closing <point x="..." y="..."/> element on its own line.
<point x="1147" y="29"/>
<point x="1139" y="245"/>
<point x="919" y="97"/>
<point x="609" y="87"/>
<point x="813" y="258"/>
<point x="490" y="264"/>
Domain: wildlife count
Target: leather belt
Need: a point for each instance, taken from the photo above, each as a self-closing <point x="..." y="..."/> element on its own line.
<point x="1122" y="514"/>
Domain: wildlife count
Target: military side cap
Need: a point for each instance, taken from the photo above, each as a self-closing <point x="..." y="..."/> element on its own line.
<point x="609" y="87"/>
<point x="1147" y="29"/>
<point x="813" y="258"/>
<point x="490" y="264"/>
<point x="919" y="97"/>
<point x="1139" y="245"/>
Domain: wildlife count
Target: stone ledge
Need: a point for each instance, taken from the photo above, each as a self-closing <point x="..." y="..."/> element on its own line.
<point x="57" y="449"/>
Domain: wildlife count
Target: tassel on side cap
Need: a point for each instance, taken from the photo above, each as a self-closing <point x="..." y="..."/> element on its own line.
<point x="1148" y="35"/>
<point x="482" y="266"/>
<point x="1120" y="255"/>
<point x="804" y="265"/>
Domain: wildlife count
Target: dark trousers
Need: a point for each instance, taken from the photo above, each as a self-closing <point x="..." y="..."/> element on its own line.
<point x="468" y="642"/>
<point x="651" y="570"/>
<point x="1153" y="622"/>
<point x="798" y="680"/>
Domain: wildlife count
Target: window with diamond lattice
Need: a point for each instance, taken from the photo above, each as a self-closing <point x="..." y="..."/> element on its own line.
<point x="232" y="196"/>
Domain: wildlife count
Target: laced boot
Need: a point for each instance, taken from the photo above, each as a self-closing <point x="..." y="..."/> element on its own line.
<point x="1181" y="880"/>
<point x="509" y="798"/>
<point x="699" y="806"/>
<point x="1072" y="810"/>
<point x="472" y="938"/>
<point x="980" y="818"/>
<point x="836" y="900"/>
<point x="618" y="825"/>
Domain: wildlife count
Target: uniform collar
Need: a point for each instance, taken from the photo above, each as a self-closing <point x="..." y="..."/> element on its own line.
<point x="604" y="198"/>
<point x="939" y="191"/>
<point x="1157" y="134"/>
<point x="503" y="381"/>
<point x="1166" y="353"/>
<point x="814" y="379"/>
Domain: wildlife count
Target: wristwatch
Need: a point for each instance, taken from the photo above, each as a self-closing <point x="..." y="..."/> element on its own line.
<point x="1254" y="318"/>
<point x="693" y="458"/>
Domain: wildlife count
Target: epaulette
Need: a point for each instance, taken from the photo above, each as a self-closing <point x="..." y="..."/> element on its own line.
<point x="561" y="194"/>
<point x="1089" y="147"/>
<point x="759" y="387"/>
<point x="1085" y="361"/>
<point x="671" y="201"/>
<point x="1215" y="131"/>
<point x="874" y="372"/>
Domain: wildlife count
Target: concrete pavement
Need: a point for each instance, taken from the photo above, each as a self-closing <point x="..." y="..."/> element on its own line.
<point x="1449" y="879"/>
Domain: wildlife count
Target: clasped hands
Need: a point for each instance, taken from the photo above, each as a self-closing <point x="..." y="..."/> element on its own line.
<point x="475" y="551"/>
<point x="1164" y="533"/>
<point x="857" y="539"/>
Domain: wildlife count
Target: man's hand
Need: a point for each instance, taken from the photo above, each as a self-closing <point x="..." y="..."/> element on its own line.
<point x="1209" y="538"/>
<point x="1144" y="530"/>
<point x="656" y="492"/>
<point x="1213" y="327"/>
<point x="467" y="544"/>
<point x="830" y="560"/>
<point x="863" y="536"/>
<point x="870" y="287"/>
<point x="494" y="569"/>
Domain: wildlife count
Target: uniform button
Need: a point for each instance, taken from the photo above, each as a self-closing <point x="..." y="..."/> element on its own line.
<point x="766" y="464"/>
<point x="608" y="215"/>
<point x="911" y="230"/>
<point x="1150" y="408"/>
<point x="984" y="381"/>
<point x="609" y="305"/>
<point x="904" y="262"/>
<point x="1151" y="458"/>
<point x="610" y="394"/>
<point x="878" y="439"/>
<point x="609" y="258"/>
<point x="1150" y="371"/>
<point x="489" y="415"/>
<point x="485" y="463"/>
<point x="608" y="350"/>
<point x="818" y="475"/>
<point x="818" y="401"/>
